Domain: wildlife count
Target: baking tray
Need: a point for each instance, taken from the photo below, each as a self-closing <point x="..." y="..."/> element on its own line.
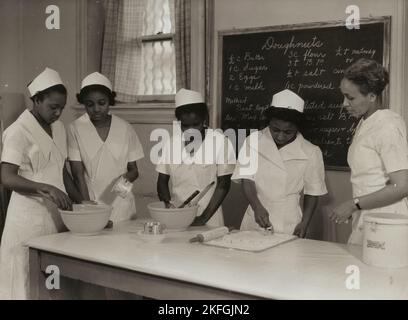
<point x="253" y="241"/>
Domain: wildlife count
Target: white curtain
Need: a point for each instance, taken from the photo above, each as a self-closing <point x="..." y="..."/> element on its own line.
<point x="121" y="54"/>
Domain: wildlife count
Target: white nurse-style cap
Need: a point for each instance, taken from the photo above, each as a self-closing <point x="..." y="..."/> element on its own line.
<point x="46" y="79"/>
<point x="184" y="97"/>
<point x="96" y="78"/>
<point x="289" y="100"/>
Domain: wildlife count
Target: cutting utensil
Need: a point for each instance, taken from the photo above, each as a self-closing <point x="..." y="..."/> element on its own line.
<point x="202" y="194"/>
<point x="188" y="200"/>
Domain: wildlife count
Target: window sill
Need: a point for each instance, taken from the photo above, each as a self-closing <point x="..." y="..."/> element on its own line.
<point x="162" y="98"/>
<point x="140" y="113"/>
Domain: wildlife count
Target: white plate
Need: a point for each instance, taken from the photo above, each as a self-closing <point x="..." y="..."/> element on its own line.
<point x="152" y="238"/>
<point x="176" y="230"/>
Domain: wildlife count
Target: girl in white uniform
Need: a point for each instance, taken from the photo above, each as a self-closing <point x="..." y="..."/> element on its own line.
<point x="33" y="166"/>
<point x="102" y="148"/>
<point x="378" y="155"/>
<point x="287" y="166"/>
<point x="212" y="161"/>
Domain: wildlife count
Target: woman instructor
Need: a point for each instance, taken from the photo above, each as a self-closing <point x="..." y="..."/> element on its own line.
<point x="378" y="154"/>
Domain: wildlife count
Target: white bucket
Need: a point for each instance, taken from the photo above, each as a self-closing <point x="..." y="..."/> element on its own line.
<point x="385" y="240"/>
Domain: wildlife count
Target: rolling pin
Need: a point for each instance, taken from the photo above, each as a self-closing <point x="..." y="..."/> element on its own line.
<point x="210" y="234"/>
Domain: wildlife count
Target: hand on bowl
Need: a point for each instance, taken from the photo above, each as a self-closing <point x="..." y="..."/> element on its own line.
<point x="86" y="219"/>
<point x="169" y="205"/>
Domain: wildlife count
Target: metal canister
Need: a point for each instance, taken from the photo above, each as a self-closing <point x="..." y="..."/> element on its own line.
<point x="153" y="227"/>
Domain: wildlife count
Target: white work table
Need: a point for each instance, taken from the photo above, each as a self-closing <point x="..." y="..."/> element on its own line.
<point x="177" y="269"/>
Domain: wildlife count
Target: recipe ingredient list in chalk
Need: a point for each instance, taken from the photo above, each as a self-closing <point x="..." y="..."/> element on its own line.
<point x="310" y="62"/>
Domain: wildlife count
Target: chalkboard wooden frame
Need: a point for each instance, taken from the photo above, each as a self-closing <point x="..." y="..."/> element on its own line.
<point x="385" y="20"/>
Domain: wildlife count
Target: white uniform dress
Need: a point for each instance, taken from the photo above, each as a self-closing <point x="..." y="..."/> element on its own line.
<point x="41" y="159"/>
<point x="379" y="147"/>
<point x="281" y="177"/>
<point x="105" y="161"/>
<point x="194" y="173"/>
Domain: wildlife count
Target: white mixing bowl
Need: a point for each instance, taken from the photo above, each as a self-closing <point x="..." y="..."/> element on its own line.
<point x="173" y="219"/>
<point x="86" y="219"/>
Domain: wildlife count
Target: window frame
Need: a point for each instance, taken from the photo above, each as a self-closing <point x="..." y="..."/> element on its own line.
<point x="200" y="67"/>
<point x="156" y="98"/>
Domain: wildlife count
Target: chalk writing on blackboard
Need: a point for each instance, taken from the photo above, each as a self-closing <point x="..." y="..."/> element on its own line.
<point x="310" y="60"/>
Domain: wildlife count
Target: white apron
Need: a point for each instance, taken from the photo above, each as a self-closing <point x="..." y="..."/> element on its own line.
<point x="195" y="174"/>
<point x="280" y="179"/>
<point x="104" y="162"/>
<point x="185" y="179"/>
<point x="27" y="216"/>
<point x="367" y="163"/>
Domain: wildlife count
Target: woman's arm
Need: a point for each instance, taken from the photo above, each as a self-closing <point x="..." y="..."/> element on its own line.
<point x="132" y="172"/>
<point x="78" y="173"/>
<point x="13" y="181"/>
<point x="396" y="190"/>
<point x="220" y="192"/>
<point x="69" y="184"/>
<point x="260" y="213"/>
<point x="163" y="189"/>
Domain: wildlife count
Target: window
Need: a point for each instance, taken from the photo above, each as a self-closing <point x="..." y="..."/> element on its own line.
<point x="158" y="71"/>
<point x="138" y="49"/>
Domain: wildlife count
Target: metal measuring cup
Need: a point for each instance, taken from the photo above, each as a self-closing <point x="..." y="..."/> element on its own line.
<point x="153" y="228"/>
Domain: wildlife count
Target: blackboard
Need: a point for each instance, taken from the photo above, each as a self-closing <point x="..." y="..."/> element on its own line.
<point x="310" y="60"/>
